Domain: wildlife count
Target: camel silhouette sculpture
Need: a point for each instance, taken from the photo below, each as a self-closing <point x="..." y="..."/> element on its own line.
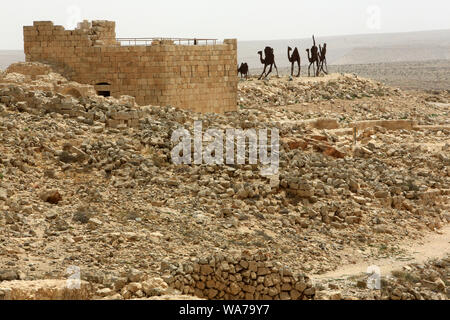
<point x="295" y="57"/>
<point x="243" y="70"/>
<point x="269" y="60"/>
<point x="313" y="59"/>
<point x="323" y="58"/>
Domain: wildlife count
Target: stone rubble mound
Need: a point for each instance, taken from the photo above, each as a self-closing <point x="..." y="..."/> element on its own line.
<point x="280" y="92"/>
<point x="88" y="181"/>
<point x="424" y="281"/>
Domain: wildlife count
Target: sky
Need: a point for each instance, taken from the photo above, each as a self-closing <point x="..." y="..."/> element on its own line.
<point x="241" y="19"/>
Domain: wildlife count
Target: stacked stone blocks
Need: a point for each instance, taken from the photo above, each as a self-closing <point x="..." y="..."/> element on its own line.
<point x="201" y="78"/>
<point x="241" y="277"/>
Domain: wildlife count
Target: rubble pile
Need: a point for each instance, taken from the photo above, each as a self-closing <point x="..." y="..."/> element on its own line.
<point x="430" y="281"/>
<point x="417" y="281"/>
<point x="88" y="181"/>
<point x="281" y="92"/>
<point x="37" y="90"/>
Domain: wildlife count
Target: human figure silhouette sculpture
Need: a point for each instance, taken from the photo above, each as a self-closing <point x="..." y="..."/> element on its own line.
<point x="313" y="59"/>
<point x="323" y="58"/>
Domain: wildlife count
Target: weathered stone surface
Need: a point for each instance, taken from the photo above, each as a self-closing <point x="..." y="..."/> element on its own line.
<point x="44" y="290"/>
<point x="244" y="282"/>
<point x="126" y="205"/>
<point x="215" y="92"/>
<point x="51" y="196"/>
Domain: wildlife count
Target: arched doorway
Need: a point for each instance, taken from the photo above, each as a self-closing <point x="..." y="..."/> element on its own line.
<point x="72" y="92"/>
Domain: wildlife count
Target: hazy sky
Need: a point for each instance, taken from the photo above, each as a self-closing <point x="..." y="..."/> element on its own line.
<point x="242" y="19"/>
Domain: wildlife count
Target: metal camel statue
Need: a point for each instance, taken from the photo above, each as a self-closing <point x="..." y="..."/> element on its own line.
<point x="295" y="57"/>
<point x="243" y="70"/>
<point x="269" y="60"/>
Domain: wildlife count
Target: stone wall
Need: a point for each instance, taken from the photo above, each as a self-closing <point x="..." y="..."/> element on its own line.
<point x="200" y="78"/>
<point x="246" y="276"/>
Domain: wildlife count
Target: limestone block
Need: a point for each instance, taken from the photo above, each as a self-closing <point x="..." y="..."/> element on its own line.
<point x="44" y="290"/>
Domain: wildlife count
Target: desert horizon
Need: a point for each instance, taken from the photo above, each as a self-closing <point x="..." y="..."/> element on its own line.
<point x="350" y="53"/>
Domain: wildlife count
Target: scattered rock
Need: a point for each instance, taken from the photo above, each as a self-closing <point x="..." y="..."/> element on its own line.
<point x="51" y="196"/>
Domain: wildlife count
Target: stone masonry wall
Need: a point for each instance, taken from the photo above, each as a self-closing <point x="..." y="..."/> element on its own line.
<point x="200" y="78"/>
<point x="245" y="276"/>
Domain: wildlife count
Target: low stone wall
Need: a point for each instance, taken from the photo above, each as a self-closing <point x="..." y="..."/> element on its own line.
<point x="387" y="124"/>
<point x="244" y="277"/>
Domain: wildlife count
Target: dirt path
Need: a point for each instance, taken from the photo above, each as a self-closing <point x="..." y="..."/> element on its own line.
<point x="433" y="245"/>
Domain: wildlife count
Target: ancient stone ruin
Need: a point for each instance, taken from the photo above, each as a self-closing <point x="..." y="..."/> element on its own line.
<point x="197" y="77"/>
<point x="246" y="276"/>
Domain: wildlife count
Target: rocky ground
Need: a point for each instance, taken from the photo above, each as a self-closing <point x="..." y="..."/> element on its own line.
<point x="426" y="281"/>
<point x="430" y="75"/>
<point x="363" y="167"/>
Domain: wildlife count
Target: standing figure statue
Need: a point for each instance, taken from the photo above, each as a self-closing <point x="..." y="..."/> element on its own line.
<point x="323" y="58"/>
<point x="313" y="59"/>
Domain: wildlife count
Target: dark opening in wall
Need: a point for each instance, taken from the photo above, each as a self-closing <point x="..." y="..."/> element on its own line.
<point x="103" y="89"/>
<point x="104" y="93"/>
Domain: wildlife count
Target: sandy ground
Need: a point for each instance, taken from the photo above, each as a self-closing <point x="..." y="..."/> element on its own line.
<point x="433" y="245"/>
